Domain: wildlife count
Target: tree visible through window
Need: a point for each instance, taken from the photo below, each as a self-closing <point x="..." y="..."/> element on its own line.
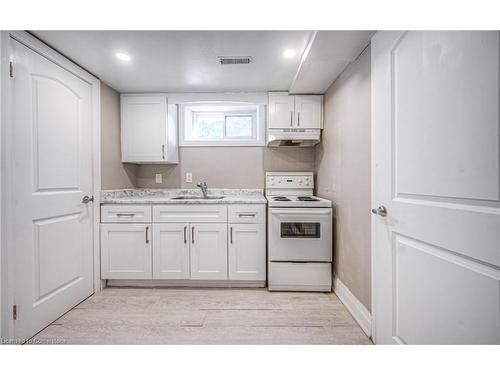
<point x="225" y="124"/>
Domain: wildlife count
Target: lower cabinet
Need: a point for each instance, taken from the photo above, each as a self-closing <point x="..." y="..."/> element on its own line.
<point x="171" y="251"/>
<point x="246" y="251"/>
<point x="200" y="246"/>
<point x="126" y="251"/>
<point x="208" y="251"/>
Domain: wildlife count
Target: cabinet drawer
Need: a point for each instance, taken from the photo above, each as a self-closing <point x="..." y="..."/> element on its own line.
<point x="190" y="213"/>
<point x="127" y="213"/>
<point x="247" y="213"/>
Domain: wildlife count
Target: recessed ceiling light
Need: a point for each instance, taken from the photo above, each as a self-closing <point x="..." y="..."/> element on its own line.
<point x="122" y="56"/>
<point x="289" y="53"/>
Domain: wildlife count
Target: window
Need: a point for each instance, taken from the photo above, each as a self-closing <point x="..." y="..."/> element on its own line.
<point x="221" y="124"/>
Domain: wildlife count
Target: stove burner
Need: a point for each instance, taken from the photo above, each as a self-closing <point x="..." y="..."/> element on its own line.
<point x="307" y="199"/>
<point x="281" y="199"/>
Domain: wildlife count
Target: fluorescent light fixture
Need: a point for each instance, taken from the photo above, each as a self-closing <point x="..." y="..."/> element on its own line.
<point x="289" y="53"/>
<point x="122" y="56"/>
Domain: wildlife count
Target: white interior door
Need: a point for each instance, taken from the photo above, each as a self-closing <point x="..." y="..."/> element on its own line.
<point x="52" y="170"/>
<point x="436" y="170"/>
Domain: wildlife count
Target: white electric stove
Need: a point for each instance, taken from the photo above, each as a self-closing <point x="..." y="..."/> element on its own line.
<point x="299" y="234"/>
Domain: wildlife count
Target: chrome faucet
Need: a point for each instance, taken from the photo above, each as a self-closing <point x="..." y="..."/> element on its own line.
<point x="203" y="186"/>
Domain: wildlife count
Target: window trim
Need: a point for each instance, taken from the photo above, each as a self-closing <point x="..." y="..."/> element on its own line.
<point x="258" y="112"/>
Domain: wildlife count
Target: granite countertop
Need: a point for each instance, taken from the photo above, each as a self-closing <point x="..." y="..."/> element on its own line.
<point x="165" y="196"/>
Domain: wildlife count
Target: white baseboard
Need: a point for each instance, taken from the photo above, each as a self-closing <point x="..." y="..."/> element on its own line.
<point x="188" y="283"/>
<point x="352" y="304"/>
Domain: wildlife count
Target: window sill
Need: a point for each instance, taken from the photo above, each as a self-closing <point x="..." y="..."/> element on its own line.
<point x="250" y="143"/>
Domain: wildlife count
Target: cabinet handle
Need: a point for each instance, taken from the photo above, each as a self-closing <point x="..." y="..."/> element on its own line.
<point x="246" y="215"/>
<point x="231" y="234"/>
<point x="291" y="119"/>
<point x="185" y="238"/>
<point x="192" y="234"/>
<point x="298" y="119"/>
<point x="125" y="215"/>
<point x="147" y="234"/>
<point x="163" y="152"/>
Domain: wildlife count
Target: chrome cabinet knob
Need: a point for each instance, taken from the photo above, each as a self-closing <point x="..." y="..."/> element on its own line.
<point x="381" y="210"/>
<point x="87" y="199"/>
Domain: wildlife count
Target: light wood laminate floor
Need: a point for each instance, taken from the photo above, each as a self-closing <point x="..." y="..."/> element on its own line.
<point x="205" y="316"/>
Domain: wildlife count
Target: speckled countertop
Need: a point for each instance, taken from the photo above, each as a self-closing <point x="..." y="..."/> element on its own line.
<point x="165" y="196"/>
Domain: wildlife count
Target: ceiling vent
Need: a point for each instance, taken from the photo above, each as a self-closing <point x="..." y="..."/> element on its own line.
<point x="226" y="60"/>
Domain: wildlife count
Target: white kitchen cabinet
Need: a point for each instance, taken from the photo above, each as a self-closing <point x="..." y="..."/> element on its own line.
<point x="295" y="111"/>
<point x="126" y="251"/>
<point x="171" y="251"/>
<point x="308" y="111"/>
<point x="208" y="251"/>
<point x="148" y="129"/>
<point x="281" y="111"/>
<point x="247" y="251"/>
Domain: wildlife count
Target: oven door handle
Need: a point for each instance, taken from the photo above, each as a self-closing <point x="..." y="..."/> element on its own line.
<point x="302" y="212"/>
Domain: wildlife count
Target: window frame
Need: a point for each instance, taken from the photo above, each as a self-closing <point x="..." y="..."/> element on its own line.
<point x="188" y="112"/>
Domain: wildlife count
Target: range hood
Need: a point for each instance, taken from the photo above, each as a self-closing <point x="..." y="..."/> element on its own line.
<point x="293" y="137"/>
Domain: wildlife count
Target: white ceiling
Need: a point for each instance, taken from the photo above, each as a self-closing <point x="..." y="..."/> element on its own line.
<point x="187" y="61"/>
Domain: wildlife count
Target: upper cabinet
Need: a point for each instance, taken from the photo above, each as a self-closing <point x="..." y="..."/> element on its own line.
<point x="295" y="111"/>
<point x="148" y="129"/>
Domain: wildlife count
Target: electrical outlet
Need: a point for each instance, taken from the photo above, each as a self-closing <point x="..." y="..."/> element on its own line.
<point x="159" y="178"/>
<point x="189" y="177"/>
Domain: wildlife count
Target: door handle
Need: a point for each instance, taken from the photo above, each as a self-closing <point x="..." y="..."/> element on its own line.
<point x="192" y="234"/>
<point x="87" y="199"/>
<point x="381" y="210"/>
<point x="147" y="234"/>
<point x="185" y="238"/>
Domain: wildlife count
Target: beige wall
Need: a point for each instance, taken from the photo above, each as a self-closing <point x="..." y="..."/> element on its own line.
<point x="227" y="167"/>
<point x="114" y="174"/>
<point x="343" y="168"/>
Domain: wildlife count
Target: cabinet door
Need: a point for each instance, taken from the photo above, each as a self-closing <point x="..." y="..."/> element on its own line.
<point x="126" y="251"/>
<point x="247" y="251"/>
<point x="171" y="251"/>
<point x="208" y="251"/>
<point x="144" y="128"/>
<point x="281" y="109"/>
<point x="308" y="111"/>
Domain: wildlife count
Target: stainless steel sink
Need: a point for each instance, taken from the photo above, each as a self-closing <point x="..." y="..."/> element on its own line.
<point x="200" y="198"/>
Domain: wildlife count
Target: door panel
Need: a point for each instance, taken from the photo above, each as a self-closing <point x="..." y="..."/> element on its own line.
<point x="418" y="273"/>
<point x="126" y="251"/>
<point x="308" y="111"/>
<point x="209" y="251"/>
<point x="445" y="84"/>
<point x="171" y="251"/>
<point x="436" y="169"/>
<point x="52" y="230"/>
<point x="281" y="111"/>
<point x="144" y="127"/>
<point x="247" y="252"/>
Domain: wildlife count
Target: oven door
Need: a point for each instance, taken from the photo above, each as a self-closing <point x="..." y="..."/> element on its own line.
<point x="300" y="234"/>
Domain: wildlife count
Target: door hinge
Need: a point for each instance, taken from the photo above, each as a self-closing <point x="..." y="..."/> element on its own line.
<point x="11" y="69"/>
<point x="14" y="312"/>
